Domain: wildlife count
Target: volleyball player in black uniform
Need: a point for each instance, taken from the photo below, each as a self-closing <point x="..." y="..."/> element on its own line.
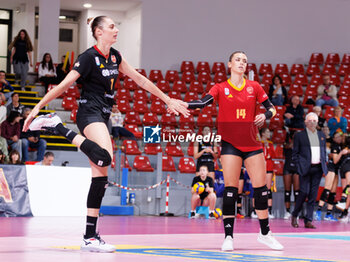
<point x="97" y="68"/>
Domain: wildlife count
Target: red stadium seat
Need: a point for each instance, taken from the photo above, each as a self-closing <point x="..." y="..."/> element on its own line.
<point x="187" y="165"/>
<point x="196" y="87"/>
<point x="175" y="94"/>
<point x="187" y="120"/>
<point x="316" y="79"/>
<point x="168" y="119"/>
<point x="279" y="136"/>
<point x="346" y="59"/>
<point x="140" y="106"/>
<point x="180" y="86"/>
<point x="276" y="122"/>
<point x="190" y="149"/>
<point x="329" y="69"/>
<point x="187" y="66"/>
<point x="168" y="164"/>
<point x="155" y="98"/>
<point x="140" y="94"/>
<point x="69" y="103"/>
<point x="185" y="129"/>
<point x="311" y="89"/>
<point x="295" y="89"/>
<point x="142" y="164"/>
<point x="124" y="106"/>
<point x="168" y="131"/>
<point x="281" y="69"/>
<point x="155" y="75"/>
<point x="73" y="91"/>
<point x="301" y="79"/>
<point x="124" y="94"/>
<point x="129" y="84"/>
<point x="344" y="90"/>
<point x="31" y="162"/>
<point x="173" y="149"/>
<point x="153" y="148"/>
<point x="346" y="112"/>
<point x="37" y="66"/>
<point x="171" y="76"/>
<point x="329" y="112"/>
<point x="346" y="80"/>
<point x="278" y="167"/>
<point x="132" y="118"/>
<point x="218" y="67"/>
<point x="124" y="163"/>
<point x="344" y="70"/>
<point x="158" y="107"/>
<point x="203" y="66"/>
<point x="344" y="101"/>
<point x="280" y="110"/>
<point x="150" y="119"/>
<point x="163" y="85"/>
<point x="333" y="58"/>
<point x="287" y="80"/>
<point x="122" y="76"/>
<point x="335" y="79"/>
<point x="297" y="69"/>
<point x="266" y="87"/>
<point x="205" y="120"/>
<point x="131" y="148"/>
<point x="220" y="77"/>
<point x="190" y="96"/>
<point x="73" y="115"/>
<point x="117" y="84"/>
<point x="267" y="79"/>
<point x="306" y="98"/>
<point x="209" y="86"/>
<point x="134" y="129"/>
<point x="188" y="77"/>
<point x="265" y="68"/>
<point x="256" y="78"/>
<point x="251" y="67"/>
<point x="142" y="71"/>
<point x="316" y="58"/>
<point x="313" y="69"/>
<point x="279" y="151"/>
<point x="204" y="77"/>
<point x="210" y="110"/>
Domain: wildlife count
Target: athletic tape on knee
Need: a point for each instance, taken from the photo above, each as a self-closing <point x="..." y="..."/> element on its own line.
<point x="346" y="190"/>
<point x="260" y="197"/>
<point x="287" y="196"/>
<point x="97" y="190"/>
<point x="96" y="154"/>
<point x="325" y="195"/>
<point x="229" y="201"/>
<point x="331" y="198"/>
<point x="269" y="194"/>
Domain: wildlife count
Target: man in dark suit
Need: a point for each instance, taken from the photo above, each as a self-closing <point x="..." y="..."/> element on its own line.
<point x="309" y="156"/>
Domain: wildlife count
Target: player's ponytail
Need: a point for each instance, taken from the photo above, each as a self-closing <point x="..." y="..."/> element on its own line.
<point x="94" y="23"/>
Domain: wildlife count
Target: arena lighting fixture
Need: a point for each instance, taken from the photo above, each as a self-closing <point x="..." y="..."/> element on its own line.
<point x="87" y="5"/>
<point x="62" y="17"/>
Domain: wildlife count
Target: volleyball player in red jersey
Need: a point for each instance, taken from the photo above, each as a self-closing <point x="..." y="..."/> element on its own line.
<point x="238" y="127"/>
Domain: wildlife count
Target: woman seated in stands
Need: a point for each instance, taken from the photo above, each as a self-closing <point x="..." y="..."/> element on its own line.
<point x="47" y="71"/>
<point x="15" y="158"/>
<point x="277" y="92"/>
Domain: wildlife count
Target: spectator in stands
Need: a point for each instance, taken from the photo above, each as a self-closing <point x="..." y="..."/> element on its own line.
<point x="15" y="158"/>
<point x="4" y="146"/>
<point x="3" y="110"/>
<point x="117" y="122"/>
<point x="62" y="72"/>
<point x="31" y="139"/>
<point x="2" y="157"/>
<point x="208" y="197"/>
<point x="21" y="49"/>
<point x="338" y="123"/>
<point x="277" y="92"/>
<point x="4" y="84"/>
<point x="294" y="115"/>
<point x="15" y="105"/>
<point x="47" y="71"/>
<point x="11" y="130"/>
<point x="321" y="121"/>
<point x="327" y="93"/>
<point x="48" y="159"/>
<point x="325" y="131"/>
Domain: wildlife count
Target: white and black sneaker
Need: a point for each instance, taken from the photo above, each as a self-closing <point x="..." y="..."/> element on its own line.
<point x="96" y="244"/>
<point x="48" y="121"/>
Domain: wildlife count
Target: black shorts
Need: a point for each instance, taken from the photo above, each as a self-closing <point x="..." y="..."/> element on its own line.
<point x="289" y="170"/>
<point x="332" y="167"/>
<point x="228" y="149"/>
<point x="209" y="164"/>
<point x="344" y="169"/>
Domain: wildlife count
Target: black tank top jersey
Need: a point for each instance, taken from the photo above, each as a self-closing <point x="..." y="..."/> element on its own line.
<point x="206" y="156"/>
<point x="335" y="149"/>
<point x="98" y="75"/>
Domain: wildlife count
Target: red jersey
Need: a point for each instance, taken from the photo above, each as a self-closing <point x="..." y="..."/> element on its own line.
<point x="269" y="153"/>
<point x="237" y="113"/>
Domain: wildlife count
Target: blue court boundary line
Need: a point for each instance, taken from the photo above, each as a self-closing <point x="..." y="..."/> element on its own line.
<point x="317" y="236"/>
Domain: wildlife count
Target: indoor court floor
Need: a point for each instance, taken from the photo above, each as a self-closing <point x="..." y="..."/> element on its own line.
<point x="53" y="239"/>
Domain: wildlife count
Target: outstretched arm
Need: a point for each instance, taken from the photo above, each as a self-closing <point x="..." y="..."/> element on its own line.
<point x="201" y="103"/>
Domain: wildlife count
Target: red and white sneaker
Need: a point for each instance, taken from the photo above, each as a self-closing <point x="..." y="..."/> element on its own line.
<point x="45" y="122"/>
<point x="96" y="244"/>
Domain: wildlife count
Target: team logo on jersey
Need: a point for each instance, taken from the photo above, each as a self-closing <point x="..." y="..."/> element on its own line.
<point x="250" y="90"/>
<point x="227" y="91"/>
<point x="114" y="60"/>
<point x="230" y="96"/>
<point x="97" y="61"/>
<point x="102" y="66"/>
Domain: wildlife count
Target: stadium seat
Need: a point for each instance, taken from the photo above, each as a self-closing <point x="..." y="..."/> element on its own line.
<point x="124" y="94"/>
<point x="121" y="76"/>
<point x="279" y="151"/>
<point x="131" y="148"/>
<point x="210" y="110"/>
<point x="329" y="69"/>
<point x="69" y="103"/>
<point x="132" y="118"/>
<point x="150" y="119"/>
<point x="190" y="96"/>
<point x="329" y="113"/>
<point x="333" y="58"/>
<point x="175" y="94"/>
<point x="187" y="120"/>
<point x="188" y="77"/>
<point x="187" y="165"/>
<point x="281" y="69"/>
<point x="73" y="91"/>
<point x="346" y="112"/>
<point x="311" y="89"/>
<point x="187" y="66"/>
<point x="205" y="120"/>
<point x="276" y="122"/>
<point x="306" y="98"/>
<point x="297" y="69"/>
<point x="265" y="68"/>
<point x="218" y="67"/>
<point x="203" y="66"/>
<point x="31" y="162"/>
<point x="142" y="71"/>
<point x="344" y="101"/>
<point x="140" y="106"/>
<point x="168" y="120"/>
<point x="209" y="86"/>
<point x="158" y="107"/>
<point x="344" y="90"/>
<point x="129" y="84"/>
<point x="335" y="79"/>
<point x="173" y="149"/>
<point x="185" y="129"/>
<point x="168" y="131"/>
<point x="316" y="58"/>
<point x="134" y="129"/>
<point x="124" y="106"/>
<point x="140" y="94"/>
<point x="346" y="59"/>
<point x="316" y="79"/>
<point x="168" y="164"/>
<point x="196" y="87"/>
<point x="301" y="79"/>
<point x="251" y="67"/>
<point x="256" y="78"/>
<point x="280" y="110"/>
<point x="220" y="77"/>
<point x="204" y="77"/>
<point x="287" y="80"/>
<point x="171" y="76"/>
<point x="278" y="135"/>
<point x="142" y="164"/>
<point x="346" y="80"/>
<point x="295" y="89"/>
<point x="124" y="162"/>
<point x="190" y="149"/>
<point x="155" y="75"/>
<point x="117" y="84"/>
<point x="163" y="85"/>
<point x="153" y="148"/>
<point x="265" y="86"/>
<point x="278" y="167"/>
<point x="180" y="86"/>
<point x="73" y="115"/>
<point x="313" y="69"/>
<point x="267" y="79"/>
<point x="37" y="66"/>
<point x="344" y="70"/>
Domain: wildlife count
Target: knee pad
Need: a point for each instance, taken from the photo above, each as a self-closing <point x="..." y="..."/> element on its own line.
<point x="287" y="196"/>
<point x="296" y="194"/>
<point x="269" y="194"/>
<point x="325" y="195"/>
<point x="239" y="199"/>
<point x="331" y="198"/>
<point x="96" y="154"/>
<point x="97" y="190"/>
<point x="229" y="201"/>
<point x="260" y="197"/>
<point x="346" y="190"/>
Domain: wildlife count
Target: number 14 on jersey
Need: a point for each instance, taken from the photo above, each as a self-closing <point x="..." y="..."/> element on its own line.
<point x="241" y="113"/>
